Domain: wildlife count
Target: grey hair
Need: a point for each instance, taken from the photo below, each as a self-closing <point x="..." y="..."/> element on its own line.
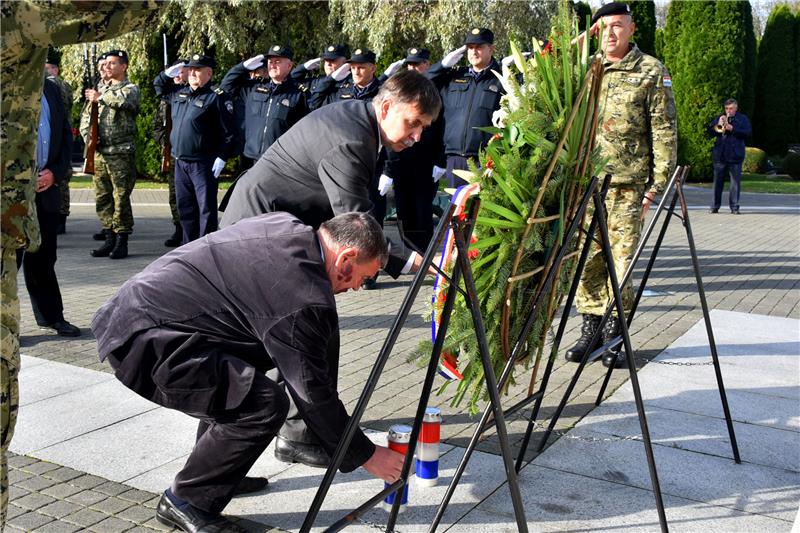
<point x="411" y="87"/>
<point x="730" y="101"/>
<point x="360" y="231"/>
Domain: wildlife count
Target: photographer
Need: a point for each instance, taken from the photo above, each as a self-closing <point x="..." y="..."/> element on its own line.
<point x="731" y="129"/>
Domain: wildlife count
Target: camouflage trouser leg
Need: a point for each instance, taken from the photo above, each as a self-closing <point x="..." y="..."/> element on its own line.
<point x="624" y="207"/>
<point x="64" y="186"/>
<point x="9" y="365"/>
<point x="114" y="180"/>
<point x="173" y="203"/>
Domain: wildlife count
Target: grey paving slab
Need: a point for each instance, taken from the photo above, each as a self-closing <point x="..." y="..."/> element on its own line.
<point x="60" y="418"/>
<point x="48" y="379"/>
<point x="128" y="448"/>
<point x="555" y="500"/>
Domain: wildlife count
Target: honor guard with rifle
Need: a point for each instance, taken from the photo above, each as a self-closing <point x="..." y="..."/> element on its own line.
<point x="110" y="132"/>
<point x="273" y="104"/>
<point x="202" y="138"/>
<point x="162" y="129"/>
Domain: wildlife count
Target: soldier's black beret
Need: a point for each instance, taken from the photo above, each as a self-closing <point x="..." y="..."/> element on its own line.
<point x="362" y="55"/>
<point x="52" y="57"/>
<point x="121" y="54"/>
<point x="418" y="55"/>
<point x="198" y="60"/>
<point x="479" y="36"/>
<point x="611" y="8"/>
<point x="279" y="50"/>
<point x="334" y="51"/>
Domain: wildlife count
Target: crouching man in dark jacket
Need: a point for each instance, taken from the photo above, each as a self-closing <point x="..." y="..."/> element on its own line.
<point x="198" y="329"/>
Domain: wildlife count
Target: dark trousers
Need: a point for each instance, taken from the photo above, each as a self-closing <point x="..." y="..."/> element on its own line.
<point x="721" y="172"/>
<point x="295" y="428"/>
<point x="228" y="444"/>
<point x="414" y="195"/>
<point x="196" y="196"/>
<point x="456" y="162"/>
<point x="40" y="272"/>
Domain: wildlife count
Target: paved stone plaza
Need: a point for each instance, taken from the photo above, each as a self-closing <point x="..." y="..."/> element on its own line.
<point x="750" y="267"/>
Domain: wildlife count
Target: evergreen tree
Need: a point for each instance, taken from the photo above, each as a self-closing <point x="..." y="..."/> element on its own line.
<point x="704" y="52"/>
<point x="660" y="44"/>
<point x="775" y="118"/>
<point x="748" y="94"/>
<point x="644" y="15"/>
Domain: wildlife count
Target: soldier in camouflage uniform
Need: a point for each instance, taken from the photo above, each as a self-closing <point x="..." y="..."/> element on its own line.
<point x="29" y="27"/>
<point x="115" y="158"/>
<point x="51" y="69"/>
<point x="638" y="133"/>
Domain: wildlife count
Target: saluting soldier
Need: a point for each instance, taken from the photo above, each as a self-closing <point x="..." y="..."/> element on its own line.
<point x="272" y="105"/>
<point x="361" y="85"/>
<point x="160" y="134"/>
<point x="410" y="172"/>
<point x="203" y="131"/>
<point x="115" y="158"/>
<point x="332" y="57"/>
<point x="470" y="95"/>
<point x="52" y="71"/>
<point x="638" y="135"/>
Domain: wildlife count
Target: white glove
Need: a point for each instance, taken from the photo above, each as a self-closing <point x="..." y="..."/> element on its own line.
<point x="394" y="67"/>
<point x="384" y="184"/>
<point x="312" y="64"/>
<point x="254" y="62"/>
<point x="508" y="60"/>
<point x="454" y="57"/>
<point x="438" y="173"/>
<point x="341" y="73"/>
<point x="174" y="70"/>
<point x="217" y="167"/>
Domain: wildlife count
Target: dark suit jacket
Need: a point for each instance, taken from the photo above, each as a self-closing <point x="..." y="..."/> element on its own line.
<point x="190" y="330"/>
<point x="320" y="168"/>
<point x="60" y="152"/>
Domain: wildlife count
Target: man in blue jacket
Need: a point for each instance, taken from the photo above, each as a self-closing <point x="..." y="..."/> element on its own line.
<point x="731" y="130"/>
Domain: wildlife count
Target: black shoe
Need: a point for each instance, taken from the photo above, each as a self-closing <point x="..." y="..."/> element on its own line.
<point x="120" y="250"/>
<point x="191" y="519"/>
<point x="735" y="211"/>
<point x="588" y="329"/>
<point x="714" y="210"/>
<point x="289" y="451"/>
<point x="100" y="235"/>
<point x="63" y="328"/>
<point x="107" y="247"/>
<point x="175" y="239"/>
<point x="251" y="484"/>
<point x="613" y="356"/>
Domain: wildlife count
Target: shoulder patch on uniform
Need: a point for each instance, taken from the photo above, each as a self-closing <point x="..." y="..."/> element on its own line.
<point x="667" y="81"/>
<point x="219" y="91"/>
<point x="285" y="102"/>
<point x="493" y="88"/>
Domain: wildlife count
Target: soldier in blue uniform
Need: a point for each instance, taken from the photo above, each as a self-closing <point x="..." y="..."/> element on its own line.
<point x="203" y="131"/>
<point x="361" y="85"/>
<point x="273" y="104"/>
<point x="410" y="172"/>
<point x="333" y="57"/>
<point x="470" y="95"/>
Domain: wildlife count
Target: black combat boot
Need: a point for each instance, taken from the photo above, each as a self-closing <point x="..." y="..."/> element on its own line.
<point x="588" y="329"/>
<point x="120" y="250"/>
<point x="176" y="238"/>
<point x="100" y="235"/>
<point x="613" y="356"/>
<point x="106" y="247"/>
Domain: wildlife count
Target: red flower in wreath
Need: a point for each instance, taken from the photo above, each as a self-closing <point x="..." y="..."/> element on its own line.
<point x="489" y="163"/>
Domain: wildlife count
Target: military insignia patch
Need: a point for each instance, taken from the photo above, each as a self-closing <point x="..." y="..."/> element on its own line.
<point x="229" y="106"/>
<point x="667" y="81"/>
<point x="358" y="51"/>
<point x="475" y="31"/>
<point x="413" y="50"/>
<point x="196" y="57"/>
<point x="285" y="102"/>
<point x="331" y="49"/>
<point x="276" y="48"/>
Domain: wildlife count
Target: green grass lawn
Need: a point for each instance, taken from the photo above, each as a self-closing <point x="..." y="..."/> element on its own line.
<point x="84" y="181"/>
<point x="777" y="184"/>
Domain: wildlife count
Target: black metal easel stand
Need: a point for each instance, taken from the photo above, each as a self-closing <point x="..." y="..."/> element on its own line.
<point x="462" y="230"/>
<point x="677" y="183"/>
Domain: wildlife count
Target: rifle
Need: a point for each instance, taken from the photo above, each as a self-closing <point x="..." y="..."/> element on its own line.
<point x="166" y="148"/>
<point x="90" y="79"/>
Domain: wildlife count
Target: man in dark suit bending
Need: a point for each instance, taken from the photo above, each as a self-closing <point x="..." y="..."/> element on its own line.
<point x="197" y="330"/>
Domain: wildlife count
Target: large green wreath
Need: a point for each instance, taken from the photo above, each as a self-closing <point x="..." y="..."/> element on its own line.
<point x="532" y="174"/>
